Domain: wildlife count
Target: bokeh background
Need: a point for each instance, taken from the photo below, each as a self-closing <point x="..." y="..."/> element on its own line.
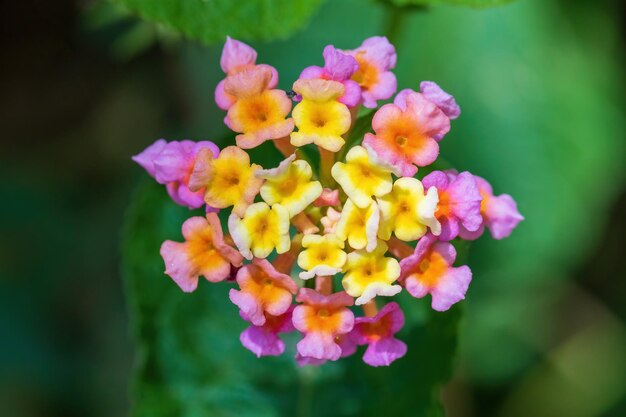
<point x="86" y="84"/>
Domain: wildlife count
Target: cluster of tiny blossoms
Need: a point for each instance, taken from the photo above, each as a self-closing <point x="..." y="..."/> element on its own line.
<point x="361" y="229"/>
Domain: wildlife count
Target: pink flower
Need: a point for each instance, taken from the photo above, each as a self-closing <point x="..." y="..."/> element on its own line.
<point x="346" y="344"/>
<point x="171" y="164"/>
<point x="429" y="271"/>
<point x="409" y="135"/>
<point x="328" y="198"/>
<point x="321" y="319"/>
<point x="263" y="340"/>
<point x="237" y="57"/>
<point x="204" y="252"/>
<point x="376" y="56"/>
<point x="377" y="332"/>
<point x="459" y="202"/>
<point x="499" y="213"/>
<point x="338" y="66"/>
<point x="263" y="291"/>
<point x="434" y="94"/>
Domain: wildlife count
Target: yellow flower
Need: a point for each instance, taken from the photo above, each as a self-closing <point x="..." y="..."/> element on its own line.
<point x="362" y="176"/>
<point x="323" y="255"/>
<point x="229" y="179"/>
<point x="260" y="230"/>
<point x="368" y="274"/>
<point x="407" y="212"/>
<point x="290" y="185"/>
<point x="319" y="117"/>
<point x="359" y="226"/>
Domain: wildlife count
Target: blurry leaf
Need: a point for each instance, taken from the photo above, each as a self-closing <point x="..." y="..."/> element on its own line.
<point x="189" y="361"/>
<point x="211" y="21"/>
<point x="473" y="3"/>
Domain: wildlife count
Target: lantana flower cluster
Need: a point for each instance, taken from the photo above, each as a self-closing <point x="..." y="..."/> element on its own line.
<point x="322" y="251"/>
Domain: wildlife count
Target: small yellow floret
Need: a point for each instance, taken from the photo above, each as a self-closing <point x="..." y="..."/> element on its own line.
<point x="290" y="185"/>
<point x="407" y="211"/>
<point x="368" y="274"/>
<point x="261" y="230"/>
<point x="362" y="177"/>
<point x="323" y="255"/>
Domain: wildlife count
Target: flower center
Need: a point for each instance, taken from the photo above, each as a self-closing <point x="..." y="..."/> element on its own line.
<point x="424" y="265"/>
<point x="401" y="140"/>
<point x="323" y="312"/>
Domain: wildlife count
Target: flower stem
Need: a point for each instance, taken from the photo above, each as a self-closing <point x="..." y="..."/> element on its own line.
<point x="370" y="308"/>
<point x="327" y="160"/>
<point x="283" y="262"/>
<point x="284" y="146"/>
<point x="304" y="224"/>
<point x="398" y="248"/>
<point x="324" y="285"/>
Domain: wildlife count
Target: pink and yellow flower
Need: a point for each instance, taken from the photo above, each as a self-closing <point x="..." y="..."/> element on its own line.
<point x="429" y="271"/>
<point x="321" y="319"/>
<point x="263" y="340"/>
<point x="323" y="256"/>
<point x="362" y="176"/>
<point x="499" y="214"/>
<point x="359" y="225"/>
<point x="408" y="137"/>
<point x="459" y="202"/>
<point x="261" y="230"/>
<point x="290" y="185"/>
<point x="368" y="274"/>
<point x="434" y="94"/>
<point x="262" y="290"/>
<point x="238" y="57"/>
<point x="378" y="334"/>
<point x="407" y="211"/>
<point x="228" y="180"/>
<point x="171" y="164"/>
<point x="260" y="113"/>
<point x="203" y="252"/>
<point x="338" y="66"/>
<point x="376" y="56"/>
<point x="320" y="118"/>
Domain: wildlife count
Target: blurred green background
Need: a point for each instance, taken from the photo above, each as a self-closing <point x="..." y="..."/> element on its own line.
<point x="87" y="84"/>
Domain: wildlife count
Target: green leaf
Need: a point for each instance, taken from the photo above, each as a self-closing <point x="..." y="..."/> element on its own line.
<point x="362" y="125"/>
<point x="210" y="21"/>
<point x="189" y="361"/>
<point x="472" y="3"/>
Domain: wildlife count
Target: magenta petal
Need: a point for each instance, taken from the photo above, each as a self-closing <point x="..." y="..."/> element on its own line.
<point x="178" y="265"/>
<point x="262" y="342"/>
<point x="172" y="164"/>
<point x="383" y="90"/>
<point x="236" y="54"/>
<point x="186" y="197"/>
<point x="223" y="100"/>
<point x="338" y="65"/>
<point x="381" y="51"/>
<point x="467" y="235"/>
<point x="352" y="95"/>
<point x="312" y="72"/>
<point x="443" y="100"/>
<point x="400" y="99"/>
<point x="305" y="360"/>
<point x="146" y="157"/>
<point x="384" y="352"/>
<point x="319" y="346"/>
<point x="502" y="216"/>
<point x="463" y="193"/>
<point x="437" y="179"/>
<point x="250" y="308"/>
<point x="449" y="228"/>
<point x="451" y="288"/>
